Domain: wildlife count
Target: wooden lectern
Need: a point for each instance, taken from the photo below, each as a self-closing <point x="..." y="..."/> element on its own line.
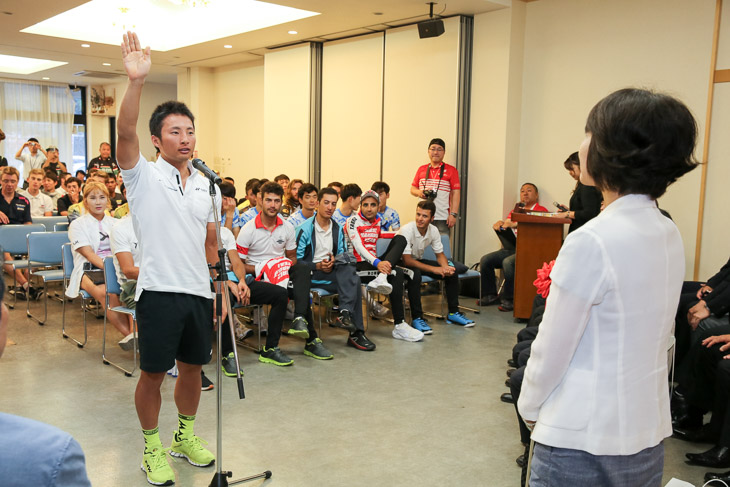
<point x="539" y="239"/>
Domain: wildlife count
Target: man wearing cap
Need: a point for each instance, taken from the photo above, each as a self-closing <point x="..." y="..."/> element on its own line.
<point x="362" y="231"/>
<point x="32" y="160"/>
<point x="439" y="182"/>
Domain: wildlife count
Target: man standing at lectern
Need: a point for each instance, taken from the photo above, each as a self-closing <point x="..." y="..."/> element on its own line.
<point x="505" y="258"/>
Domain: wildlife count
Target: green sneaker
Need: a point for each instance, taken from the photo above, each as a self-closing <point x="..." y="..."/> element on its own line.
<point x="299" y="327"/>
<point x="192" y="450"/>
<point x="274" y="356"/>
<point x="155" y="465"/>
<point x="228" y="365"/>
<point x="316" y="349"/>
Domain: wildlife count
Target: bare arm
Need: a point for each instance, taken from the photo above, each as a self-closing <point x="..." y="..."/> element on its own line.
<point x="291" y="255"/>
<point x="20" y="151"/>
<point x="409" y="261"/>
<point x="89" y="255"/>
<point x="211" y="244"/>
<point x="137" y="63"/>
<point x="416" y="192"/>
<point x="126" y="264"/>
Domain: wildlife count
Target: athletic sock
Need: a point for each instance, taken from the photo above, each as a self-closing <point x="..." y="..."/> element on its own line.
<point x="151" y="439"/>
<point x="184" y="426"/>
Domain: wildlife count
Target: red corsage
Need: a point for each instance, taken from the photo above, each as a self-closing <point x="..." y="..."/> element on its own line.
<point x="542" y="283"/>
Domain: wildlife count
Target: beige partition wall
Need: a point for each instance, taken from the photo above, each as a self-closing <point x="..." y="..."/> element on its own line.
<point x="287" y="112"/>
<point x="421" y="83"/>
<point x="352" y="101"/>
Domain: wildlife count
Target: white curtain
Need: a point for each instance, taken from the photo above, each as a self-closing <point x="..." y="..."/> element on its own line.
<point x="41" y="110"/>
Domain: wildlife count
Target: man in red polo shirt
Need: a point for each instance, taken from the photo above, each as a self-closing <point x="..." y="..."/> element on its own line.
<point x="439" y="182"/>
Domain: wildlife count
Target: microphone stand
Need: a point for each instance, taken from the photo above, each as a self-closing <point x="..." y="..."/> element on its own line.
<point x="220" y="479"/>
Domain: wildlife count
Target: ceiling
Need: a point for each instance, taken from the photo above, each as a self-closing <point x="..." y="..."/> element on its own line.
<point x="338" y="19"/>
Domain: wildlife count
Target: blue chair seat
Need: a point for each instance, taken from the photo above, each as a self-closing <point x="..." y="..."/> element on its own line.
<point x="50" y="275"/>
<point x="470" y="273"/>
<point x="122" y="309"/>
<point x="321" y="292"/>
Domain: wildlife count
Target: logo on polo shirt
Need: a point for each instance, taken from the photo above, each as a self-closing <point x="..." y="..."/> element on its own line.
<point x="280" y="241"/>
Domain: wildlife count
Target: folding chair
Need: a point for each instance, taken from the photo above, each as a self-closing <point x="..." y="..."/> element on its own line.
<point x="14" y="240"/>
<point x="380" y="247"/>
<point x="113" y="287"/>
<point x="61" y="227"/>
<point x="50" y="221"/>
<point x="45" y="252"/>
<point x="68" y="267"/>
<point x="257" y="308"/>
<point x="469" y="274"/>
<point x="429" y="254"/>
<point x="317" y="295"/>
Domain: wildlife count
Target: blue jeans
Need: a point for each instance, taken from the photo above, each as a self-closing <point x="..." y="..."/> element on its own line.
<point x="500" y="259"/>
<point x="561" y="467"/>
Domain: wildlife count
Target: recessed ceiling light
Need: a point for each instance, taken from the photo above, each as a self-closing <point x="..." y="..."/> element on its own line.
<point x="85" y="45"/>
<point x="228" y="46"/>
<point x="103" y="22"/>
<point x="45" y="77"/>
<point x="106" y="64"/>
<point x="26" y="65"/>
<point x="293" y="32"/>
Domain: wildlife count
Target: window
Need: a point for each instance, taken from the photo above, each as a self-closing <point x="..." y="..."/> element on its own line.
<point x="79" y="130"/>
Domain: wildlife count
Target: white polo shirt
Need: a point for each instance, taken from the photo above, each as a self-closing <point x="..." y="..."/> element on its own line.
<point x="39" y="204"/>
<point x="417" y="243"/>
<point x="257" y="244"/>
<point x="323" y="242"/>
<point x="229" y="243"/>
<point x="124" y="239"/>
<point x="171" y="224"/>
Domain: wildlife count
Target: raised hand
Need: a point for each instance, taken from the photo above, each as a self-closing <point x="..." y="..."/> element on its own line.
<point x="137" y="62"/>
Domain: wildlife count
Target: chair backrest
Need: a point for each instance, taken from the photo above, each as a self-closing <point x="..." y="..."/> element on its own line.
<point x="447" y="246"/>
<point x="382" y="245"/>
<point x="49" y="221"/>
<point x="61" y="227"/>
<point x="110" y="277"/>
<point x="14" y="238"/>
<point x="45" y="248"/>
<point x="68" y="260"/>
<point x="429" y="254"/>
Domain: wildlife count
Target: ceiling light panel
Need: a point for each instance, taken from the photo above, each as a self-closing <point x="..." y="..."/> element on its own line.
<point x="26" y="65"/>
<point x="165" y="24"/>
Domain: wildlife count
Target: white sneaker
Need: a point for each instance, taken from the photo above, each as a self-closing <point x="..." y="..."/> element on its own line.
<point x="173" y="371"/>
<point x="404" y="331"/>
<point x="127" y="343"/>
<point x="380" y="285"/>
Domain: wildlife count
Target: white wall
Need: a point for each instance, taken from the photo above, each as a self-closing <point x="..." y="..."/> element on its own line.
<point x="286" y="112"/>
<point x="578" y="52"/>
<point x="352" y="101"/>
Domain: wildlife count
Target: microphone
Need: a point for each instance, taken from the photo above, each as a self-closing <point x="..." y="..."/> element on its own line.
<point x="207" y="172"/>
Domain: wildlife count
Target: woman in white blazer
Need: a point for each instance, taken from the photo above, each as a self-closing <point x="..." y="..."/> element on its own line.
<point x="595" y="388"/>
<point x="89" y="235"/>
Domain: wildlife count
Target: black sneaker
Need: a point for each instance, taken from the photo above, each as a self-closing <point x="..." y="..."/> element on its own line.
<point x="299" y="327"/>
<point x="274" y="356"/>
<point x="228" y="365"/>
<point x="34" y="293"/>
<point x="507" y="305"/>
<point x="488" y="300"/>
<point x="316" y="350"/>
<point x="206" y="384"/>
<point x="344" y="321"/>
<point x="360" y="341"/>
<point x="20" y="293"/>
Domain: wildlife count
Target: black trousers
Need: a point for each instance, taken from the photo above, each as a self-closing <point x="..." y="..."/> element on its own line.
<point x="451" y="284"/>
<point x="392" y="254"/>
<point x="515" y="387"/>
<point x="343" y="280"/>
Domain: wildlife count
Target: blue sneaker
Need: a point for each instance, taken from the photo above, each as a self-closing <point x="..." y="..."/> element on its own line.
<point x="421" y="325"/>
<point x="459" y="318"/>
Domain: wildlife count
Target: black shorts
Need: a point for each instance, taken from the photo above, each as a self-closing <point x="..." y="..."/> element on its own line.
<point x="173" y="326"/>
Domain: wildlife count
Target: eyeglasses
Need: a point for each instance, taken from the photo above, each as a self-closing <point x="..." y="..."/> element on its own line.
<point x="436" y="149"/>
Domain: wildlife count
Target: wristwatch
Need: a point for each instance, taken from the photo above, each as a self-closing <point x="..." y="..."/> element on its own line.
<point x="454" y="215"/>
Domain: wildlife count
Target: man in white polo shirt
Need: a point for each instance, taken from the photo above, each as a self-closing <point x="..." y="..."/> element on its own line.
<point x="174" y="222"/>
<point x="40" y="204"/>
<point x="420" y="234"/>
<point x="263" y="244"/>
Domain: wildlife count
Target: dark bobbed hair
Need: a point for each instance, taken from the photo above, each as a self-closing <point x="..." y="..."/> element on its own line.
<point x="572" y="160"/>
<point x="641" y="142"/>
<point x="350" y="190"/>
<point x="306" y="188"/>
<point x="380" y="187"/>
<point x="166" y="109"/>
<point x="272" y="188"/>
<point x="327" y="191"/>
<point x="427" y="205"/>
<point x="227" y="189"/>
<point x="250" y="183"/>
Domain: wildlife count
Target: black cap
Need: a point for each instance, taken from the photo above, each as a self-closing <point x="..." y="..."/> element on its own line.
<point x="437" y="141"/>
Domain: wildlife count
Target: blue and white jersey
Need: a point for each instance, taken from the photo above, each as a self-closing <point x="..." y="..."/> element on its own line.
<point x="297" y="218"/>
<point x="340" y="218"/>
<point x="389" y="219"/>
<point x="237" y="221"/>
<point x="249" y="215"/>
